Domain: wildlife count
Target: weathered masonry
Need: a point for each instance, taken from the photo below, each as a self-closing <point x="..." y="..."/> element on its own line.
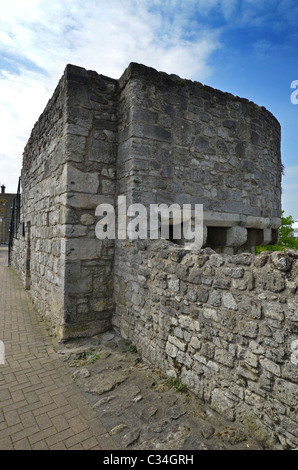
<point x="155" y="139"/>
<point x="222" y="320"/>
<point x="226" y="325"/>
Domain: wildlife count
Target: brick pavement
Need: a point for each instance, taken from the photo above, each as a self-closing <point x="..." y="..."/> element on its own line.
<point x="41" y="407"/>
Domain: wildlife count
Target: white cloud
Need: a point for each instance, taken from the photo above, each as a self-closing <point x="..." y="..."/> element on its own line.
<point x="38" y="38"/>
<point x="291" y="171"/>
<point x="21" y="100"/>
<point x="290" y="191"/>
<point x="227" y="7"/>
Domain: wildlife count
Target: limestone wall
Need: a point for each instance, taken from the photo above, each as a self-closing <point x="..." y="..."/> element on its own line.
<point x="226" y="326"/>
<point x="186" y="143"/>
<point x="156" y="139"/>
<point x="37" y="254"/>
<point x="91" y="137"/>
<point x="68" y="169"/>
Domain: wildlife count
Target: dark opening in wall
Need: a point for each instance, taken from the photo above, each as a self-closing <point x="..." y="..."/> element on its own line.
<point x="216" y="236"/>
<point x="275" y="236"/>
<point x="175" y="233"/>
<point x="255" y="237"/>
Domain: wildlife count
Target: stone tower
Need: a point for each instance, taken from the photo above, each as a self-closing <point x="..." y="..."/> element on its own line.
<point x="154" y="138"/>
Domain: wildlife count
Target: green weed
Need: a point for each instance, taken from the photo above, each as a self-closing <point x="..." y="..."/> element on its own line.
<point x="176" y="384"/>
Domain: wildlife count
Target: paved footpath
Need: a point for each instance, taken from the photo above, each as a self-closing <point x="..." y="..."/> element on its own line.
<point x="41" y="407"/>
<point x="92" y="393"/>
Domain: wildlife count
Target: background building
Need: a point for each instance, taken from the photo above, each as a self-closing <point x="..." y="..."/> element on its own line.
<point x="295" y="228"/>
<point x="6" y="201"/>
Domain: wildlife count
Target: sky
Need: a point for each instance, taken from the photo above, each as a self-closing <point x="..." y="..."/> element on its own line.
<point x="246" y="47"/>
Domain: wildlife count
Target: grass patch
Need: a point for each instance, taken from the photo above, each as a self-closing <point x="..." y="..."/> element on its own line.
<point x="131" y="347"/>
<point x="176" y="384"/>
<point x="89" y="357"/>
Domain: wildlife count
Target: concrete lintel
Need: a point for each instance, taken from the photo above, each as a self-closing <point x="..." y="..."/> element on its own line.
<point x="223" y="219"/>
<point x="275" y="222"/>
<point x="258" y="222"/>
<point x="263" y="222"/>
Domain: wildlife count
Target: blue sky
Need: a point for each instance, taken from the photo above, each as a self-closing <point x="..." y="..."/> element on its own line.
<point x="246" y="47"/>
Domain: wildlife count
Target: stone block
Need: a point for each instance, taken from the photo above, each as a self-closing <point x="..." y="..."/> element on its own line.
<point x="177" y="342"/>
<point x="286" y="392"/>
<point x="215" y="298"/>
<point x="81" y="181"/>
<point x="222" y="283"/>
<point x="235" y="273"/>
<point x="270" y="366"/>
<point x="101" y="152"/>
<point x="195" y="343"/>
<point x="89" y="250"/>
<point x="274" y="311"/>
<point x="202" y="294"/>
<point x="171" y="350"/>
<point x="248" y="328"/>
<point x="228" y="301"/>
<point x="184" y="359"/>
<point x="85" y="201"/>
<point x="281" y="261"/>
<point x="222" y="404"/>
<point x="87" y="219"/>
<point x="236" y="236"/>
<point x="211" y="314"/>
<point x="75" y="148"/>
<point x="174" y="285"/>
<point x="155" y="132"/>
<point x="224" y="357"/>
<point x="251" y="359"/>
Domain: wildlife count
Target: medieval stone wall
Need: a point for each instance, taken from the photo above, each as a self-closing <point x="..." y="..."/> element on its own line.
<point x="151" y="137"/>
<point x="68" y="169"/>
<point x="226" y="326"/>
<point x="37" y="255"/>
<point x="91" y="136"/>
<point x="185" y="143"/>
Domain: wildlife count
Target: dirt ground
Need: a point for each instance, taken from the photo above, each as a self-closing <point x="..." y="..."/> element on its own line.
<point x="141" y="408"/>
